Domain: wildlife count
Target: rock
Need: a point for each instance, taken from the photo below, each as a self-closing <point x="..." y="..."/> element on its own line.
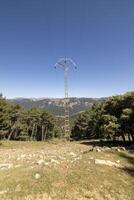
<point x="106" y="162"/>
<point x="72" y="154"/>
<point x="47" y="163"/>
<point x="107" y="148"/>
<point x="54" y="161"/>
<point x="23" y="156"/>
<point x="118" y="161"/>
<point x="122" y="148"/>
<point x="114" y="148"/>
<point x="16" y="166"/>
<point x="3" y="191"/>
<point x="6" y="166"/>
<point x="98" y="150"/>
<point x="37" y="176"/>
<point x="118" y="150"/>
<point x="40" y="162"/>
<point x="77" y="158"/>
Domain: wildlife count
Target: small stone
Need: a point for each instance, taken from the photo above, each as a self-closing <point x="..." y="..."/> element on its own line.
<point x="72" y="154"/>
<point x="6" y="166"/>
<point x="118" y="161"/>
<point x="23" y="156"/>
<point x="122" y="148"/>
<point x="77" y="158"/>
<point x="18" y="188"/>
<point x="37" y="176"/>
<point x="16" y="166"/>
<point x="47" y="163"/>
<point x="98" y="150"/>
<point x="114" y="148"/>
<point x="54" y="161"/>
<point x="106" y="162"/>
<point x="40" y="162"/>
<point x="107" y="148"/>
<point x="3" y="191"/>
<point x="118" y="150"/>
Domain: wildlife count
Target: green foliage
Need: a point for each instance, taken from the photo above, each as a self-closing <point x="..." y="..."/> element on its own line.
<point x="56" y="106"/>
<point x="19" y="124"/>
<point x="110" y="119"/>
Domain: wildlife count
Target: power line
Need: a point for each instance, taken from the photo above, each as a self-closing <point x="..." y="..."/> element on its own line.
<point x="66" y="63"/>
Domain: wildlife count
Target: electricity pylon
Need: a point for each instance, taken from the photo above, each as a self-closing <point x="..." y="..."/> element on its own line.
<point x="66" y="63"/>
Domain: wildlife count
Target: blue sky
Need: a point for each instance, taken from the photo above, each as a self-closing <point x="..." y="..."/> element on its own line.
<point x="97" y="34"/>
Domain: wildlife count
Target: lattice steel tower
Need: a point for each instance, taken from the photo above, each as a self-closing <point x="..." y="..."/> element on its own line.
<point x="66" y="63"/>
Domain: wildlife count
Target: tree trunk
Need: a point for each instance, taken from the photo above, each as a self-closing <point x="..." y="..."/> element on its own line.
<point x="45" y="134"/>
<point x="32" y="131"/>
<point x="9" y="137"/>
<point x="129" y="138"/>
<point x="114" y="138"/>
<point x="42" y="133"/>
<point x="132" y="135"/>
<point x="15" y="133"/>
<point x="123" y="137"/>
<point x="36" y="128"/>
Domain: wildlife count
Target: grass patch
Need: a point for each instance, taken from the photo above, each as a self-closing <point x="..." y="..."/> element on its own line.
<point x="74" y="176"/>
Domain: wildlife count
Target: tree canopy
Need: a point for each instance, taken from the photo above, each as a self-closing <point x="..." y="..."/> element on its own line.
<point x="111" y="119"/>
<point x="18" y="123"/>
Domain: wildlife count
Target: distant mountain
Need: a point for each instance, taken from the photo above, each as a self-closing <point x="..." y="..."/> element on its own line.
<point x="56" y="105"/>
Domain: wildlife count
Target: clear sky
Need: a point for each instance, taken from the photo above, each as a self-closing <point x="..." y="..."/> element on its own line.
<point x="97" y="34"/>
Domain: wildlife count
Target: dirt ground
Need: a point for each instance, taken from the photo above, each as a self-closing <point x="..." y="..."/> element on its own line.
<point x="64" y="171"/>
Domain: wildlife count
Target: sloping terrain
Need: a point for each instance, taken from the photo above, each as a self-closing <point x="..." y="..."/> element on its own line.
<point x="55" y="105"/>
<point x="64" y="171"/>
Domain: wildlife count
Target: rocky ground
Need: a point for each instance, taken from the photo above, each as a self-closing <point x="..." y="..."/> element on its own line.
<point x="61" y="171"/>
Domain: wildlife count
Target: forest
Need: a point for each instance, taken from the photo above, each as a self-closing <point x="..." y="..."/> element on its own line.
<point x="112" y="119"/>
<point x="17" y="123"/>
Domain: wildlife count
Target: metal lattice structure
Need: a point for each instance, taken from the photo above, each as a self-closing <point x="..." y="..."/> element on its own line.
<point x="66" y="63"/>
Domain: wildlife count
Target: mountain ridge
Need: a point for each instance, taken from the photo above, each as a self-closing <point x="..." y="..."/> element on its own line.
<point x="56" y="105"/>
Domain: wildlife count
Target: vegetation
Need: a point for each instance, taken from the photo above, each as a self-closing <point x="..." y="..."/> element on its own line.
<point x="65" y="173"/>
<point x="110" y="119"/>
<point x="55" y="105"/>
<point x="19" y="124"/>
<point x="62" y="170"/>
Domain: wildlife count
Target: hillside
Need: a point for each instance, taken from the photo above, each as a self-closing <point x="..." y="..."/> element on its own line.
<point x="56" y="105"/>
<point x="65" y="171"/>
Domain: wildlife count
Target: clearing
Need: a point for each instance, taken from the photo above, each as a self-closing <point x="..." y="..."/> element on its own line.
<point x="64" y="171"/>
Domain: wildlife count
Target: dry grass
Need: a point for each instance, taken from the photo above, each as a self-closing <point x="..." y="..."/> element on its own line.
<point x="66" y="173"/>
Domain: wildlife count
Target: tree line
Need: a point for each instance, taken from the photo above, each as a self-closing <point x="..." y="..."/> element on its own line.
<point x="112" y="119"/>
<point x="17" y="123"/>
